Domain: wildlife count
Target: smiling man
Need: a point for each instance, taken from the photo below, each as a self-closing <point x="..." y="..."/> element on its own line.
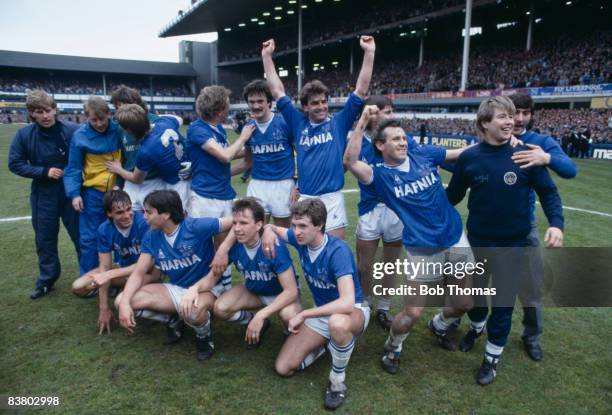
<point x="337" y="317"/>
<point x="269" y="152"/>
<point x="408" y="182"/>
<point x="500" y="217"/>
<point x="121" y="236"/>
<point x="39" y="152"/>
<point x="319" y="139"/>
<point x="182" y="248"/>
<point x="270" y="284"/>
<point x="87" y="178"/>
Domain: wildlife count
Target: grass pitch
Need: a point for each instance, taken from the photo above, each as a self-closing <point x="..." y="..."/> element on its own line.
<point x="50" y="347"/>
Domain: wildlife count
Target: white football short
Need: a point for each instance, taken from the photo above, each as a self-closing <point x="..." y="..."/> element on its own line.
<point x="183" y="188"/>
<point x="274" y="195"/>
<point x="461" y="252"/>
<point x="203" y="207"/>
<point x="138" y="192"/>
<point x="321" y="324"/>
<point x="176" y="292"/>
<point x="336" y="212"/>
<point x="380" y="222"/>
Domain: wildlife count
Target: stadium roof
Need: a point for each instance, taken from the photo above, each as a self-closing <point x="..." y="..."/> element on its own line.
<point x="213" y="15"/>
<point x="97" y="65"/>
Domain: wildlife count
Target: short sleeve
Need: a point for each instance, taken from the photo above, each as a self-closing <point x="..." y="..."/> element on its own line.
<point x="207" y="227"/>
<point x="291" y="240"/>
<point x="146" y="247"/>
<point x="199" y="135"/>
<point x="342" y="263"/>
<point x="282" y="261"/>
<point x="291" y="115"/>
<point x="436" y="154"/>
<point x="105" y="244"/>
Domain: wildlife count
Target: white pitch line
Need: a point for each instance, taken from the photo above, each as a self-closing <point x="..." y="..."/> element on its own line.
<point x="15" y="219"/>
<point x="592" y="212"/>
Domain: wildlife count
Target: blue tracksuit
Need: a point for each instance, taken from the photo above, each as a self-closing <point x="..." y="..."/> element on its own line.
<point x="500" y="216"/>
<point x="87" y="176"/>
<point x="34" y="150"/>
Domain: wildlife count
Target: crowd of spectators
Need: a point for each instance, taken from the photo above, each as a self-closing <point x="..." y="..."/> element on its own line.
<point x="161" y="87"/>
<point x="562" y="62"/>
<point x="326" y="26"/>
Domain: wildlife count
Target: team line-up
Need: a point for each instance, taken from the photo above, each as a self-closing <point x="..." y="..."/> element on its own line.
<point x="144" y="205"/>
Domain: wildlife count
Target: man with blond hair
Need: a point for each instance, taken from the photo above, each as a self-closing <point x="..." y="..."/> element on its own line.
<point x="87" y="178"/>
<point x="39" y="152"/>
<point x="211" y="155"/>
<point x="499" y="222"/>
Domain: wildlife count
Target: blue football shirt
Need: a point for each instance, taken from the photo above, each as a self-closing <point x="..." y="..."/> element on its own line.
<point x="414" y="191"/>
<point x="162" y="150"/>
<point x="188" y="260"/>
<point x="335" y="260"/>
<point x="210" y="178"/>
<point x="125" y="249"/>
<point x="320" y="147"/>
<point x="261" y="273"/>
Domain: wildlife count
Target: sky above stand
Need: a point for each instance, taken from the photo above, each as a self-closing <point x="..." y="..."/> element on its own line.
<point x="120" y="29"/>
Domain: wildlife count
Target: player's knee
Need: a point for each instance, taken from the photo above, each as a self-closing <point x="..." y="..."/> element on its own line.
<point x="222" y="309"/>
<point x="464" y="305"/>
<point x="339" y="323"/>
<point x="78" y="287"/>
<point x="283" y="368"/>
<point x="413" y="313"/>
<point x="118" y="300"/>
<point x="287" y="313"/>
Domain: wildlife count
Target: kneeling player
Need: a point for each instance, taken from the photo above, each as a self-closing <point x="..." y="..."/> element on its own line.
<point x="270" y="284"/>
<point x="183" y="249"/>
<point x="338" y="316"/>
<point x="121" y="234"/>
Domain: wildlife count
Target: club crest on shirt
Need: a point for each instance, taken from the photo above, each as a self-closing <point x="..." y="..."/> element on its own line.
<point x="186" y="250"/>
<point x="510" y="178"/>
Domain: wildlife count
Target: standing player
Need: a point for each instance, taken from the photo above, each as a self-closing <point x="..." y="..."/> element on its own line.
<point x="408" y="182"/>
<point x="211" y="155"/>
<point x="125" y="95"/>
<point x="338" y="316"/>
<point x="269" y="152"/>
<point x="543" y="151"/>
<point x="320" y="140"/>
<point x="87" y="178"/>
<point x="39" y="151"/>
<point x="499" y="217"/>
<point x="162" y="149"/>
<point x="182" y="248"/>
<point x="376" y="220"/>
<point x="270" y="284"/>
<point x="120" y="235"/>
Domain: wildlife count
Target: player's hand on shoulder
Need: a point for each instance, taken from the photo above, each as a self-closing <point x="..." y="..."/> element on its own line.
<point x="515" y="141"/>
<point x="247" y="131"/>
<point x="269" y="242"/>
<point x="367" y="43"/>
<point x="536" y="156"/>
<point x="267" y="47"/>
<point x="553" y="238"/>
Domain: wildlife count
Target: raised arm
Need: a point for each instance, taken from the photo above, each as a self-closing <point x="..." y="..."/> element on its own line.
<point x="365" y="74"/>
<point x="362" y="171"/>
<point x="227" y="154"/>
<point x="276" y="85"/>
